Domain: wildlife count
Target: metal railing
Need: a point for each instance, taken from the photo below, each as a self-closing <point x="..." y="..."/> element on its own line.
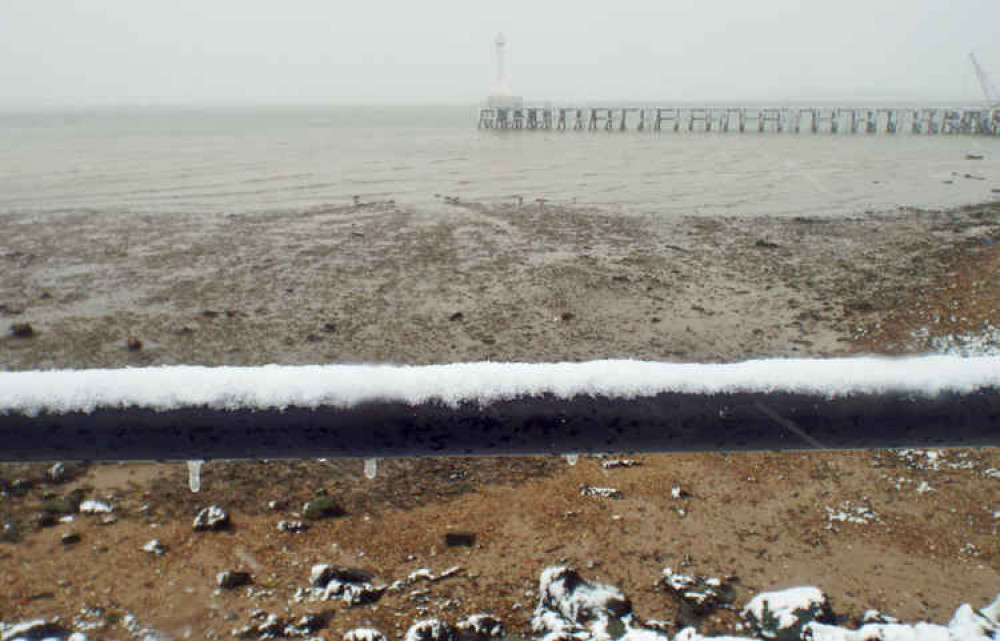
<point x="345" y="411"/>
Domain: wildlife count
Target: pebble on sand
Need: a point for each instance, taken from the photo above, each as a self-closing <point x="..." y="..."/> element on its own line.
<point x="22" y="330"/>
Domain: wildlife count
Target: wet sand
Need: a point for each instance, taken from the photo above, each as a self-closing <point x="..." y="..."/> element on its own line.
<point x="379" y="283"/>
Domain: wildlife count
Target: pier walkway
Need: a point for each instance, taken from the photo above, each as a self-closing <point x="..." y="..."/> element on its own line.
<point x="832" y="120"/>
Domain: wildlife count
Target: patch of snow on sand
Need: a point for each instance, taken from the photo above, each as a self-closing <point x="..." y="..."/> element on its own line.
<point x="481" y="626"/>
<point x="573" y="609"/>
<point x="967" y="624"/>
<point x="702" y="593"/>
<point x="28" y="629"/>
<point x="364" y="634"/>
<point x="430" y="630"/>
<point x="570" y="607"/>
<point x="847" y="512"/>
<point x="985" y="342"/>
<point x="154" y="547"/>
<point x="279" y="387"/>
<point x="91" y="506"/>
<point x="329" y="581"/>
<point x="690" y="634"/>
<point x="600" y="492"/>
<point x="772" y="613"/>
<point x="140" y="632"/>
<point x="617" y="463"/>
<point x="212" y="517"/>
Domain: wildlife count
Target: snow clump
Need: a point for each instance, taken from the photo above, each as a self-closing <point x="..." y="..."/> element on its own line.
<point x="293" y="527"/>
<point x="430" y="630"/>
<point x="212" y="517"/>
<point x="600" y="492"/>
<point x="702" y="593"/>
<point x="154" y="547"/>
<point x="91" y="506"/>
<point x="38" y="629"/>
<point x="782" y="615"/>
<point x="850" y="513"/>
<point x="481" y="626"/>
<point x="570" y="607"/>
<point x="967" y="624"/>
<point x="329" y="581"/>
<point x="364" y="634"/>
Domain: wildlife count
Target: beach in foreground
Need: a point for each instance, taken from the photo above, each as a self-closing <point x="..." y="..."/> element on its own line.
<point x="375" y="282"/>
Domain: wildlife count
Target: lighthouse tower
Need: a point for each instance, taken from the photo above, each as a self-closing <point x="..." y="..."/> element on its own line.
<point x="501" y="96"/>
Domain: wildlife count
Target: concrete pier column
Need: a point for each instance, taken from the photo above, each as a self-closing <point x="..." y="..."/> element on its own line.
<point x="969" y="122"/>
<point x="701" y="115"/>
<point x="672" y="114"/>
<point x="891" y="120"/>
<point x="950" y="121"/>
<point x="776" y="116"/>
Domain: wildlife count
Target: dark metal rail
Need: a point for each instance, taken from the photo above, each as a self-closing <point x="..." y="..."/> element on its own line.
<point x="492" y="408"/>
<point x="528" y="425"/>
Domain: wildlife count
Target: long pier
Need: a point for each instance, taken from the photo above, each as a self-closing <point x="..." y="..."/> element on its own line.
<point x="830" y="120"/>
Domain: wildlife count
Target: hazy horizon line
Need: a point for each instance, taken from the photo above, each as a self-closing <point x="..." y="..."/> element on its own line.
<point x="858" y="101"/>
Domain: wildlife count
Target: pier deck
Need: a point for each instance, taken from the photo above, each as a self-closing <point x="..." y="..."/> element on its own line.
<point x="831" y="120"/>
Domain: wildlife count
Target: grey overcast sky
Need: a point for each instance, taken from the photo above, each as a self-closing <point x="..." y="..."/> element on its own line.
<point x="89" y="52"/>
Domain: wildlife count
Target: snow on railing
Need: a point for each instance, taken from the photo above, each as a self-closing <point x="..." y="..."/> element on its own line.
<point x="376" y="411"/>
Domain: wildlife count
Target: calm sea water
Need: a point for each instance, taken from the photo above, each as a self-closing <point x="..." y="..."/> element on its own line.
<point x="225" y="160"/>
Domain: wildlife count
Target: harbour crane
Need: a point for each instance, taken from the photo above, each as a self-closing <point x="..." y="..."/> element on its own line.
<point x="989" y="89"/>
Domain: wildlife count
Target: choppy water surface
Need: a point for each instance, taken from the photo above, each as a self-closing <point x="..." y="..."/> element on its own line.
<point x="221" y="160"/>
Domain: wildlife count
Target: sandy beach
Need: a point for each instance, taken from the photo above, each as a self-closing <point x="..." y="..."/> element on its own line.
<point x="376" y="282"/>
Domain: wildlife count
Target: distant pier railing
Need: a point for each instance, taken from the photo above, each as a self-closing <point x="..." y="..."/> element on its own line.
<point x="832" y="120"/>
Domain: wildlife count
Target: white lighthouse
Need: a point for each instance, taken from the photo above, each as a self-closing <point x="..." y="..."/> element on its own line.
<point x="501" y="96"/>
